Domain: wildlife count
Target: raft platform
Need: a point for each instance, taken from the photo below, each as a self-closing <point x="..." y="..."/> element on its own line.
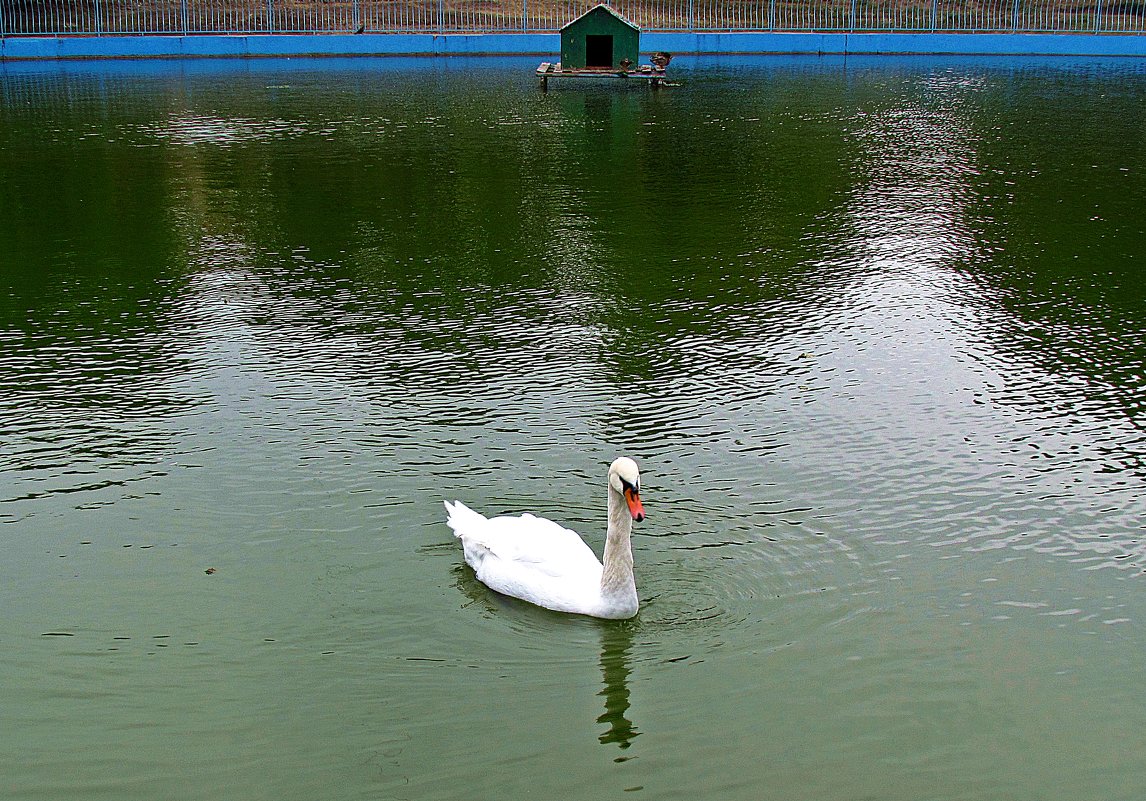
<point x="653" y="75"/>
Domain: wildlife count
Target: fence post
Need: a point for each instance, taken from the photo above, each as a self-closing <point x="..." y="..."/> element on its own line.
<point x="441" y="17"/>
<point x="691" y="18"/>
<point x="1098" y="16"/>
<point x="1015" y="18"/>
<point x="98" y="19"/>
<point x="771" y="15"/>
<point x="270" y="16"/>
<point x="525" y="16"/>
<point x="934" y="14"/>
<point x="183" y="16"/>
<point x="852" y="17"/>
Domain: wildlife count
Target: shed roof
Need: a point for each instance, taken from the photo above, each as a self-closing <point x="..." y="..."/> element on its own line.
<point x="607" y="8"/>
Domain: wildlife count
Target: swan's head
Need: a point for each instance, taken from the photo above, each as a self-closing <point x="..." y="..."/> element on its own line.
<point x="625" y="480"/>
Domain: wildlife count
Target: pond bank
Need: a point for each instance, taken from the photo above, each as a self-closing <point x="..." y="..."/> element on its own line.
<point x="286" y="45"/>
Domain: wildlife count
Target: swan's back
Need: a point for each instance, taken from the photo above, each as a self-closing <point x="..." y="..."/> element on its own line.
<point x="528" y="557"/>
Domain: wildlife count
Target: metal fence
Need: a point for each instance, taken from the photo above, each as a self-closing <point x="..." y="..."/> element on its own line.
<point x="98" y="17"/>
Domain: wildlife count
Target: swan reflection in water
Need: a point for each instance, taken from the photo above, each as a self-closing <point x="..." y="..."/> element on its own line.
<point x="616" y="645"/>
<point x="616" y="642"/>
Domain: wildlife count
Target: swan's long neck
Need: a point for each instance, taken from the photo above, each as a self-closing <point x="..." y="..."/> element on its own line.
<point x="618" y="585"/>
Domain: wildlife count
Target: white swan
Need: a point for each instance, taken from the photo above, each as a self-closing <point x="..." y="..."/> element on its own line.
<point x="546" y="564"/>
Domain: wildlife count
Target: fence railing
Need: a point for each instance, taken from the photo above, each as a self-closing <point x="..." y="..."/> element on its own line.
<point x="108" y="17"/>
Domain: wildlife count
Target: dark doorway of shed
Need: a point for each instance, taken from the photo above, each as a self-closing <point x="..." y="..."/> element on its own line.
<point x="598" y="51"/>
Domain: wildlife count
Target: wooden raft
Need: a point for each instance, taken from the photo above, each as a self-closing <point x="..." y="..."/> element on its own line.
<point x="654" y="76"/>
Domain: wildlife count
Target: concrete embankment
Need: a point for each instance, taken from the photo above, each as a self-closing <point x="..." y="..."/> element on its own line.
<point x="287" y="45"/>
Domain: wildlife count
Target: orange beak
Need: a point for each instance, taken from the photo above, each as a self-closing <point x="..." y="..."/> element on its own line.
<point x="633" y="498"/>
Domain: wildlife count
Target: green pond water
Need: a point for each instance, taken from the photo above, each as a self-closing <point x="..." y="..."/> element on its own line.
<point x="874" y="330"/>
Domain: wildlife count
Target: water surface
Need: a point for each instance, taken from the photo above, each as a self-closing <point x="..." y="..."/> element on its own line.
<point x="873" y="329"/>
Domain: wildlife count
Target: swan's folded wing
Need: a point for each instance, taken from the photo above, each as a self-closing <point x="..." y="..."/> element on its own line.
<point x="539" y="544"/>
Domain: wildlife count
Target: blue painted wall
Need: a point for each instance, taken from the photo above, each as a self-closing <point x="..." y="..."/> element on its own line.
<point x="276" y="45"/>
<point x="548" y="44"/>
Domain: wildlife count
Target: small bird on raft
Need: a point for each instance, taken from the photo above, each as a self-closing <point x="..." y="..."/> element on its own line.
<point x="546" y="564"/>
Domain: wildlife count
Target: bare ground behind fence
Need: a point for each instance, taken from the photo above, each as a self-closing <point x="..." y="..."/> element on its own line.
<point x="61" y="17"/>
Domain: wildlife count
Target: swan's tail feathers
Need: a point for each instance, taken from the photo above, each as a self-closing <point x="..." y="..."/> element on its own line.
<point x="470" y="528"/>
<point x="462" y="519"/>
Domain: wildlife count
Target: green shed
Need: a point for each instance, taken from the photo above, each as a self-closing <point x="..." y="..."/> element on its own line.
<point x="600" y="39"/>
